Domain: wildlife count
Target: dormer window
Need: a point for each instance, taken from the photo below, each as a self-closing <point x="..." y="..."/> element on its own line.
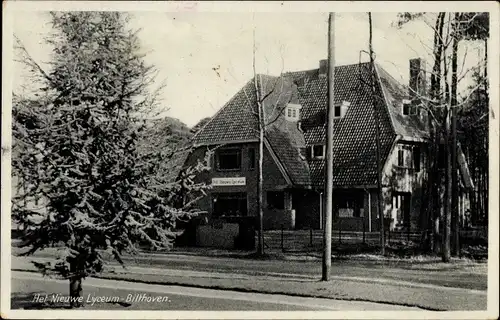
<point x="340" y="109"/>
<point x="318" y="151"/>
<point x="409" y="108"/>
<point x="336" y="111"/>
<point x="292" y="112"/>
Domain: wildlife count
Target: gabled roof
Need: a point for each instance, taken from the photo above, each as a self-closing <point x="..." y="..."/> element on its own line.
<point x="235" y="121"/>
<point x="408" y="126"/>
<point x="354" y="134"/>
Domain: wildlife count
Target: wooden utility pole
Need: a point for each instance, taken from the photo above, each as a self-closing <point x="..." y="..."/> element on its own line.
<point x="455" y="215"/>
<point x="377" y="139"/>
<point x="327" y="239"/>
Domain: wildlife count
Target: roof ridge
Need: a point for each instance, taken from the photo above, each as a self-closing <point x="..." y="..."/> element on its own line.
<point x="379" y="66"/>
<point x="336" y="66"/>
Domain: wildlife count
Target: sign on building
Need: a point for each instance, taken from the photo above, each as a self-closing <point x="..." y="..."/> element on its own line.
<point x="236" y="181"/>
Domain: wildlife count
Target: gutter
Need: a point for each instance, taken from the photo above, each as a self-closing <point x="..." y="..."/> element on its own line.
<point x="224" y="142"/>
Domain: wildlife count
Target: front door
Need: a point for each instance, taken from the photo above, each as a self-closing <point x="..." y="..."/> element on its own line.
<point x="401" y="203"/>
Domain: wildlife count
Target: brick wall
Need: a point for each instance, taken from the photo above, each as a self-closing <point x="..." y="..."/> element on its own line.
<point x="273" y="178"/>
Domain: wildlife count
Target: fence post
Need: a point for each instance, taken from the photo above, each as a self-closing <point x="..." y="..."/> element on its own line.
<point x="408" y="230"/>
<point x="388" y="234"/>
<point x="282" y="240"/>
<point x="310" y="236"/>
<point x="340" y="231"/>
<point x="364" y="227"/>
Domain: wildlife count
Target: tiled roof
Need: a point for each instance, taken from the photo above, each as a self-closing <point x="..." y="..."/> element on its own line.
<point x="354" y="134"/>
<point x="234" y="121"/>
<point x="405" y="125"/>
<point x="287" y="146"/>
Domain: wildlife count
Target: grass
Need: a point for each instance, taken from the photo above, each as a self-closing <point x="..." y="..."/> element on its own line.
<point x="336" y="289"/>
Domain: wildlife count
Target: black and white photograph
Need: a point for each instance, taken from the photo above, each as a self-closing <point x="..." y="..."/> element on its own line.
<point x="193" y="159"/>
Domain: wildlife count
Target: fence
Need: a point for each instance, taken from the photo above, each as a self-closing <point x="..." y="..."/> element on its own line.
<point x="312" y="240"/>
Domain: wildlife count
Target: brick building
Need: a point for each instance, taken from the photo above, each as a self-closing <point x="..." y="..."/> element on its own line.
<point x="295" y="107"/>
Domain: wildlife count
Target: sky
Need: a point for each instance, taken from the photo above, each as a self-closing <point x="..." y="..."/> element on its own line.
<point x="206" y="57"/>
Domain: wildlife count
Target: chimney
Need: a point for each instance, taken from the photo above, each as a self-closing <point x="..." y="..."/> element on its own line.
<point x="417" y="78"/>
<point x="323" y="68"/>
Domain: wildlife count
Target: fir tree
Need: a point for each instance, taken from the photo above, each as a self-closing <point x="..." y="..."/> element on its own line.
<point x="79" y="147"/>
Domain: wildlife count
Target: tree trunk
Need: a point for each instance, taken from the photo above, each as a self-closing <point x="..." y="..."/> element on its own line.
<point x="427" y="241"/>
<point x="435" y="94"/>
<point x="260" y="185"/>
<point x="377" y="141"/>
<point x="437" y="212"/>
<point x="260" y="179"/>
<point x="438" y="52"/>
<point x="486" y="61"/>
<point x="75" y="287"/>
<point x="261" y="131"/>
<point x="486" y="91"/>
<point x="445" y="250"/>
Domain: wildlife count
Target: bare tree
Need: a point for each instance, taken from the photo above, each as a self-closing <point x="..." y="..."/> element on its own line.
<point x="442" y="105"/>
<point x="375" y="103"/>
<point x="277" y="96"/>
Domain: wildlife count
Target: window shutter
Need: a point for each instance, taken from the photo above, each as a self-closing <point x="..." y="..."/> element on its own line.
<point x="416" y="158"/>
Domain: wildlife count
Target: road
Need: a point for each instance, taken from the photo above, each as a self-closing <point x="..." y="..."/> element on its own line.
<point x="27" y="287"/>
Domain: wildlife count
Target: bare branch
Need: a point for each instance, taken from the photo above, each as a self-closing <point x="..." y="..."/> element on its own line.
<point x="30" y="61"/>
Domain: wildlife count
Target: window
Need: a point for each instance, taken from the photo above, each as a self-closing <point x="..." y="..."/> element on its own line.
<point x="406" y="109"/>
<point x="276" y="200"/>
<point x="318" y="151"/>
<point x="396" y="201"/>
<point x="336" y="111"/>
<point x="229" y="204"/>
<point x="401" y="203"/>
<point x="251" y="158"/>
<point x="292" y="112"/>
<point x="409" y="157"/>
<point x="401" y="158"/>
<point x="229" y="159"/>
<point x="409" y="107"/>
<point x="350" y="205"/>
